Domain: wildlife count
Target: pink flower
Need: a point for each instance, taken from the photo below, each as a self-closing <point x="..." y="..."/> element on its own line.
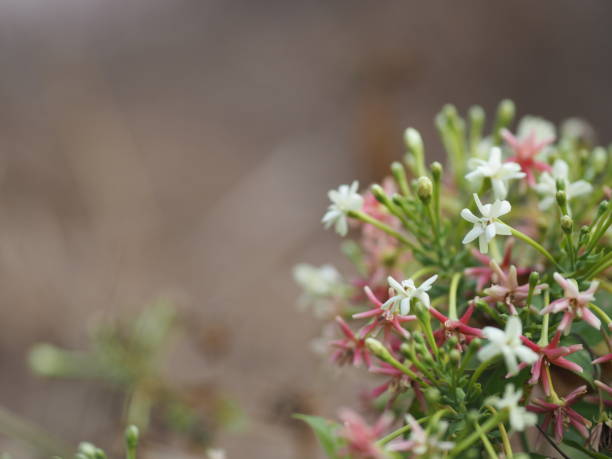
<point x="550" y="354"/>
<point x="574" y="303"/>
<point x="484" y="274"/>
<point x="525" y="151"/>
<point x="602" y="359"/>
<point x="562" y="415"/>
<point x="398" y="383"/>
<point x="507" y="290"/>
<point x="460" y="327"/>
<point x="361" y="437"/>
<point x="351" y="349"/>
<point x="386" y="318"/>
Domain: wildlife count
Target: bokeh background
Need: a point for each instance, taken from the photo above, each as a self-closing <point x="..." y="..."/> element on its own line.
<point x="183" y="149"/>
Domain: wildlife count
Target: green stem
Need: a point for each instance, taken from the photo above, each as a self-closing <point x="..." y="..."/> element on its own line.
<point x="452" y="302"/>
<point x="599" y="267"/>
<point x="544" y="335"/>
<point x="482" y="367"/>
<point x="491" y="423"/>
<point x="402" y="430"/>
<point x="485" y="441"/>
<point x="601" y="313"/>
<point x="359" y="215"/>
<point x="504" y="435"/>
<point x="523" y="237"/>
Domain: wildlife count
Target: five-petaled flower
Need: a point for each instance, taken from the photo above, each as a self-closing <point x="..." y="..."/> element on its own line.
<point x="344" y="199"/>
<point x="352" y="348"/>
<point x="486" y="227"/>
<point x="403" y="293"/>
<point x="459" y="328"/>
<point x="507" y="289"/>
<point x="553" y="354"/>
<point x="526" y="148"/>
<point x="574" y="303"/>
<point x="360" y="437"/>
<point x="561" y="414"/>
<point x="388" y="318"/>
<point x="498" y="172"/>
<point x="547" y="186"/>
<point x="507" y="343"/>
<point x="519" y="417"/>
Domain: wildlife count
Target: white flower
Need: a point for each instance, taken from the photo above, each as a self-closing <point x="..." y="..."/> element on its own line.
<point x="499" y="172"/>
<point x="508" y="343"/>
<point x="343" y="199"/>
<point x="548" y="185"/>
<point x="320" y="286"/>
<point x="405" y="291"/>
<point x="519" y="417"/>
<point x="486" y="228"/>
<point x="422" y="444"/>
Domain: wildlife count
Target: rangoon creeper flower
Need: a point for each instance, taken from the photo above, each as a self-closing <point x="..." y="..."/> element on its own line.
<point x="401" y="294"/>
<point x="561" y="415"/>
<point x="534" y="135"/>
<point x="519" y="417"/>
<point x="574" y="303"/>
<point x="508" y="343"/>
<point x="499" y="172"/>
<point x="485" y="227"/>
<point x="343" y="199"/>
<point x="547" y="186"/>
<point x="421" y="444"/>
<point x="360" y="437"/>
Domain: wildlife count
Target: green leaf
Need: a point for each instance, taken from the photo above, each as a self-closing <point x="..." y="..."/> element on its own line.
<point x="585" y="451"/>
<point x="324" y="430"/>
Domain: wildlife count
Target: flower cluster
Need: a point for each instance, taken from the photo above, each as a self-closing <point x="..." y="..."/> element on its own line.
<point x="481" y="295"/>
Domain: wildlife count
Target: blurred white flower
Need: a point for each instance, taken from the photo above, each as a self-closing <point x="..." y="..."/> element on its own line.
<point x="508" y="343"/>
<point x="404" y="292"/>
<point x="547" y="186"/>
<point x="320" y="286"/>
<point x="343" y="199"/>
<point x="499" y="172"/>
<point x="519" y="417"/>
<point x="422" y="444"/>
<point x="485" y="227"/>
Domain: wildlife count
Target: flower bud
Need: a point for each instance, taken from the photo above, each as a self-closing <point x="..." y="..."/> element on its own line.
<point x="566" y="224"/>
<point x="131" y="437"/>
<point x="378" y="349"/>
<point x="477" y="115"/>
<point x="534" y="278"/>
<point x="436" y="170"/>
<point x="455" y="355"/>
<point x="505" y="112"/>
<point x="600" y="158"/>
<point x="413" y="140"/>
<point x="424" y="189"/>
<point x="432" y="395"/>
<point x="379" y="193"/>
<point x="561" y="199"/>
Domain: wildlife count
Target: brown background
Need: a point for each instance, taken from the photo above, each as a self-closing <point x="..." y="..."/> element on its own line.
<point x="183" y="148"/>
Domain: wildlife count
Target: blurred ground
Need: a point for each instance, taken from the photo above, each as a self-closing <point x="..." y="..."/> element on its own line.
<point x="184" y="149"/>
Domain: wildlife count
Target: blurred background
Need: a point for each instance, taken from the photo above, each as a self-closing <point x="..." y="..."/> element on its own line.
<point x="183" y="150"/>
